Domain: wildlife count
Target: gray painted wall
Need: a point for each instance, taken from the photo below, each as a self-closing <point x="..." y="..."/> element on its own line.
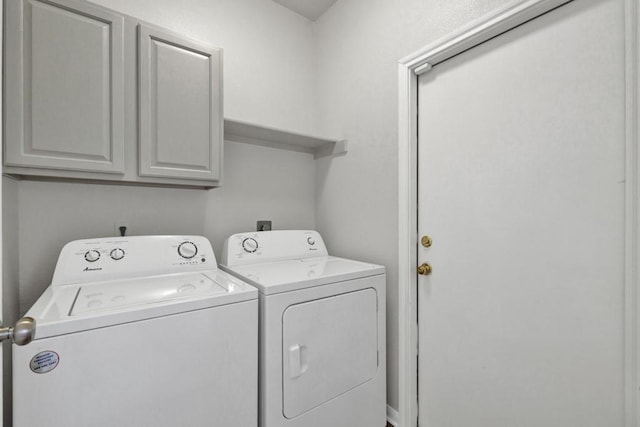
<point x="258" y="185"/>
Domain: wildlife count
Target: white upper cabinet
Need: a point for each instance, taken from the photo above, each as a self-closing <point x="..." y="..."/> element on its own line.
<point x="93" y="94"/>
<point x="181" y="125"/>
<point x="64" y="86"/>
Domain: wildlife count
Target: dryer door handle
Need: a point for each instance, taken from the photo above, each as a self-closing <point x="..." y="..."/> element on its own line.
<point x="298" y="360"/>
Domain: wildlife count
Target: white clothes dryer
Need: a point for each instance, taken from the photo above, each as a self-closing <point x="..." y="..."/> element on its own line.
<point x="322" y="330"/>
<point x="139" y="331"/>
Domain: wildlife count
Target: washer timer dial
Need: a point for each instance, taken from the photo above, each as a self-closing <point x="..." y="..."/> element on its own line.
<point x="250" y="245"/>
<point x="92" y="255"/>
<point x="116" y="254"/>
<point x="187" y="250"/>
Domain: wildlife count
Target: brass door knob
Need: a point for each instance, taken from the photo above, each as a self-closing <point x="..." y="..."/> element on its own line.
<point x="424" y="269"/>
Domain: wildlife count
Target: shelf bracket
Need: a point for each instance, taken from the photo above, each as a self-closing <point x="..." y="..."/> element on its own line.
<point x="331" y="149"/>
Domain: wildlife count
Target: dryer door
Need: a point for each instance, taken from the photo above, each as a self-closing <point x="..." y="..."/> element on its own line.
<point x="330" y="346"/>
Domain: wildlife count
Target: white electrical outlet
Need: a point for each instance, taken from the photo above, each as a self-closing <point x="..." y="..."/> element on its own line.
<point x="116" y="228"/>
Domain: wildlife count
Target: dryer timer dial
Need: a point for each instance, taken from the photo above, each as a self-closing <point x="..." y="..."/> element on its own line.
<point x="187" y="250"/>
<point x="250" y="245"/>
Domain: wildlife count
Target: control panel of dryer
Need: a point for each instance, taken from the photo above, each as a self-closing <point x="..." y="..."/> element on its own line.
<point x="111" y="258"/>
<point x="266" y="246"/>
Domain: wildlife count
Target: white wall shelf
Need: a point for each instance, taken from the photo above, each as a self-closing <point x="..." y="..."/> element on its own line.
<point x="249" y="133"/>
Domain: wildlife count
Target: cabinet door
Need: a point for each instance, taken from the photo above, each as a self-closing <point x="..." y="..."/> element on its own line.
<point x="180" y="107"/>
<point x="64" y="86"/>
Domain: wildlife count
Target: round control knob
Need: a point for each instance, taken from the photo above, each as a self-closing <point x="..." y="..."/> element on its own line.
<point x="117" y="254"/>
<point x="250" y="245"/>
<point x="92" y="255"/>
<point x="311" y="241"/>
<point x="187" y="250"/>
<point x="23" y="330"/>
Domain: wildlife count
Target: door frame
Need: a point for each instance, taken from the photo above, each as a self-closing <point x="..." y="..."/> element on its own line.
<point x="421" y="61"/>
<point x="3" y="356"/>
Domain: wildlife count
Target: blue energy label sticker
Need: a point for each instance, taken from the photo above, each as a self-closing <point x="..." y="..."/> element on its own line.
<point x="44" y="362"/>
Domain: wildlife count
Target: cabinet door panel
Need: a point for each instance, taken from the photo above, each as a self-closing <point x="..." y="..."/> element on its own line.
<point x="180" y="107"/>
<point x="64" y="79"/>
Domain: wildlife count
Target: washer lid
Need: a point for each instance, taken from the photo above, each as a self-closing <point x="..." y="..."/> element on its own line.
<point x="74" y="308"/>
<point x="107" y="296"/>
<point x="284" y="276"/>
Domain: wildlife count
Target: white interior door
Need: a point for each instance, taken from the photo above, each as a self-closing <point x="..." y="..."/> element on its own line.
<point x="521" y="187"/>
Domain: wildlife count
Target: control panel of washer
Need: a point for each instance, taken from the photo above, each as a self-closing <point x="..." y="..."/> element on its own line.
<point x="266" y="246"/>
<point x="91" y="260"/>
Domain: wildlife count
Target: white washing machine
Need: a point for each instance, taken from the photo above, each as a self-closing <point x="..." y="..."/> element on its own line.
<point x="322" y="330"/>
<point x="140" y="331"/>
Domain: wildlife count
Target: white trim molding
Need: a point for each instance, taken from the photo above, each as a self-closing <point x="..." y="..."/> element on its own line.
<point x="478" y="32"/>
<point x="392" y="416"/>
<point x="407" y="250"/>
<point x="422" y="61"/>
